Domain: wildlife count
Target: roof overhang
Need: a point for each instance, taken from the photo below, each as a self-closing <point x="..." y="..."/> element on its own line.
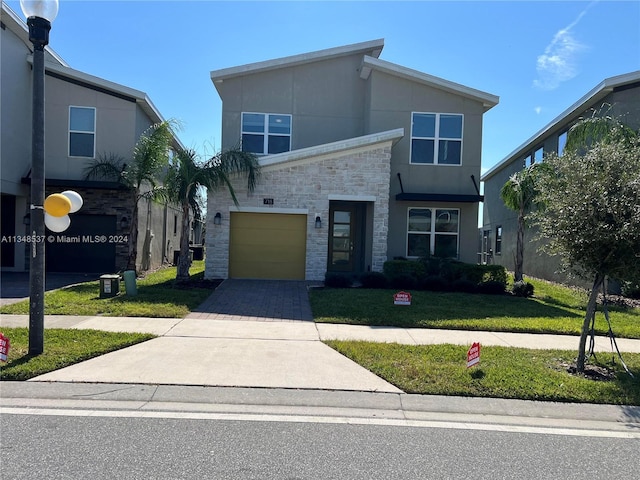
<point x="596" y="94"/>
<point x="91" y="184"/>
<point x="372" y="48"/>
<point x="439" y="197"/>
<point x="369" y="63"/>
<point x="366" y="142"/>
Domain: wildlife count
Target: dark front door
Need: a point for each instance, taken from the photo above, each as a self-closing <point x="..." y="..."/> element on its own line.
<point x="346" y="221"/>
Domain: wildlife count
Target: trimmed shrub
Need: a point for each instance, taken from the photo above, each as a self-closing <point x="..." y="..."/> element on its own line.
<point x="398" y="268"/>
<point x="464" y="286"/>
<point x="434" y="283"/>
<point x="373" y="280"/>
<point x="631" y="289"/>
<point x="492" y="287"/>
<point x="403" y="282"/>
<point x="522" y="289"/>
<point x="336" y="280"/>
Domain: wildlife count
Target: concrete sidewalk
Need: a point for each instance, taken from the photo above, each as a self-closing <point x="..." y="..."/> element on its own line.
<point x="258" y="353"/>
<point x="251" y="333"/>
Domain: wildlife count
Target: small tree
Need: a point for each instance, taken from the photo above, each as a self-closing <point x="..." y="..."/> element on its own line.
<point x="187" y="176"/>
<point x="149" y="160"/>
<point x="519" y="194"/>
<point x="591" y="214"/>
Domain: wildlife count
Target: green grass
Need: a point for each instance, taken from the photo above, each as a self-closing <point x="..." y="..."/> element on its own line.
<point x="555" y="310"/>
<point x="158" y="296"/>
<point x="61" y="349"/>
<point x="503" y="372"/>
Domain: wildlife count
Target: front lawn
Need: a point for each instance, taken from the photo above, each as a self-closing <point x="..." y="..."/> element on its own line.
<point x="555" y="309"/>
<point x="158" y="296"/>
<point x="503" y="372"/>
<point x="61" y="349"/>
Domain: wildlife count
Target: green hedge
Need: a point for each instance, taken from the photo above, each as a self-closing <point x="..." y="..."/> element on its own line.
<point x="449" y="270"/>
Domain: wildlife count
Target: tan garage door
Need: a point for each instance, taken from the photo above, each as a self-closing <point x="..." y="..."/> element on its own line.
<point x="267" y="245"/>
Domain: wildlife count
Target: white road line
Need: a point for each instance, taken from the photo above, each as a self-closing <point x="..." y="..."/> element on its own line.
<point x="320" y="419"/>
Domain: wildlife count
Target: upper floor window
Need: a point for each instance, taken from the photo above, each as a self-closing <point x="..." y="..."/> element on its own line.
<point x="266" y="133"/>
<point x="82" y="132"/>
<point x="499" y="240"/>
<point x="436" y="138"/>
<point x="433" y="231"/>
<point x="562" y="141"/>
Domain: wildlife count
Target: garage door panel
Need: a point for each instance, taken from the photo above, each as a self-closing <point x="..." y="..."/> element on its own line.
<point x="267" y="246"/>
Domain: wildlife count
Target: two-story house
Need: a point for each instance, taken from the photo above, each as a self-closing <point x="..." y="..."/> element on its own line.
<point x="85" y="117"/>
<point x="617" y="96"/>
<point x="362" y="161"/>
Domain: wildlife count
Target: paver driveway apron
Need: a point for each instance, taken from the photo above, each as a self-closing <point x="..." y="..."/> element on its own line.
<point x="248" y="333"/>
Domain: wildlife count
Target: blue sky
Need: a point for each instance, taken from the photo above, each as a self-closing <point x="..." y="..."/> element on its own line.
<point x="538" y="57"/>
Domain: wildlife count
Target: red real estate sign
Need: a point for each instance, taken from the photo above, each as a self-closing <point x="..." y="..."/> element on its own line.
<point x="4" y="348"/>
<point x="402" y="298"/>
<point x="473" y="355"/>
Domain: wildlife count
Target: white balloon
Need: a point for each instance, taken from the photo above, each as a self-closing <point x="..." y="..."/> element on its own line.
<point x="75" y="199"/>
<point x="57" y="224"/>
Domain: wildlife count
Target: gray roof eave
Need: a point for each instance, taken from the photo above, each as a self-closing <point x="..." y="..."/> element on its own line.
<point x="332" y="148"/>
<point x="373" y="47"/>
<point x="594" y="95"/>
<point x="369" y="63"/>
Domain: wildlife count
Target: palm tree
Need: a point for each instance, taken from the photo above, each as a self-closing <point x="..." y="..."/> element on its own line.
<point x="150" y="158"/>
<point x="518" y="194"/>
<point x="187" y="177"/>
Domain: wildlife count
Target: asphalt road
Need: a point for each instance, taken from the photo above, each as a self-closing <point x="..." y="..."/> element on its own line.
<point x="76" y="445"/>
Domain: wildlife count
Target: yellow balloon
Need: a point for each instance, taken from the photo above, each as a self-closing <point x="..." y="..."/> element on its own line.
<point x="57" y="205"/>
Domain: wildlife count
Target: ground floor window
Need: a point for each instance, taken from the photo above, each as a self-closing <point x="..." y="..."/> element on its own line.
<point x="499" y="240"/>
<point x="433" y="231"/>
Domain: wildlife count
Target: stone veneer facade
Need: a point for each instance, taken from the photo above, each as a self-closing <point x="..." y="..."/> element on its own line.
<point x="306" y="186"/>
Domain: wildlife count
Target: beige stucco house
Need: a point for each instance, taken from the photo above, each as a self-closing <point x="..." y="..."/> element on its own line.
<point x="362" y="161"/>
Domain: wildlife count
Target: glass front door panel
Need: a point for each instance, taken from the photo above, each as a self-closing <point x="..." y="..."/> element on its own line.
<point x="342" y="240"/>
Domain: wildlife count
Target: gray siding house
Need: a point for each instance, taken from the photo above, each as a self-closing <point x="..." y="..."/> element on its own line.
<point x="85" y="116"/>
<point x="616" y="96"/>
<point x="362" y="161"/>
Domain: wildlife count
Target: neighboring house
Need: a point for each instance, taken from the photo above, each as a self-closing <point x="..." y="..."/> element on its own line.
<point x="85" y="116"/>
<point x="616" y="96"/>
<point x="362" y="161"/>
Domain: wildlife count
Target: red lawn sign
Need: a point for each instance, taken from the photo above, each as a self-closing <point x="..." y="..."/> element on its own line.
<point x="402" y="298"/>
<point x="473" y="355"/>
<point x="4" y="348"/>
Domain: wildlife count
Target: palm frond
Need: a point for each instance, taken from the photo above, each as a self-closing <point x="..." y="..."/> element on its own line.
<point x="109" y="167"/>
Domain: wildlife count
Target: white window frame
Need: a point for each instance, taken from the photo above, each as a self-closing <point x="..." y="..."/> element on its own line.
<point x="265" y="133"/>
<point x="95" y="124"/>
<point x="436" y="139"/>
<point x="432" y="232"/>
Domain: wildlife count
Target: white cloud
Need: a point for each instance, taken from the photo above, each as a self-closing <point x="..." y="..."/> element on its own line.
<point x="558" y="63"/>
<point x="538" y="110"/>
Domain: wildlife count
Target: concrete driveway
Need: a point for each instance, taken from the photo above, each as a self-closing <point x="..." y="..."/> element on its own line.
<point x="14" y="286"/>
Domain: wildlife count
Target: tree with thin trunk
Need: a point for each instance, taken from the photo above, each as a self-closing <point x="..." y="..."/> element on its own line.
<point x="187" y="177"/>
<point x="149" y="160"/>
<point x="591" y="209"/>
<point x="518" y="194"/>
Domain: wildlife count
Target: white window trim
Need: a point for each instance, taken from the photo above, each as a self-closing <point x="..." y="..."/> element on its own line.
<point x="69" y="131"/>
<point x="432" y="232"/>
<point x="266" y="134"/>
<point x="436" y="140"/>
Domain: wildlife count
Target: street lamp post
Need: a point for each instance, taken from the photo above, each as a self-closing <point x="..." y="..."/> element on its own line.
<point x="40" y="14"/>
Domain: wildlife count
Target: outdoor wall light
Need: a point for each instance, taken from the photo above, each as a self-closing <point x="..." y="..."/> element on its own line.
<point x="124" y="223"/>
<point x="26" y="220"/>
<point x="318" y="221"/>
<point x="217" y="219"/>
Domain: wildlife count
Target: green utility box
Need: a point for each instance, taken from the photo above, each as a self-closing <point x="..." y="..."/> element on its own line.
<point x="109" y="285"/>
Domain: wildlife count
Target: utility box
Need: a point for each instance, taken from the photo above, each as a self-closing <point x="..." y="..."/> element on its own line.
<point x="109" y="285"/>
